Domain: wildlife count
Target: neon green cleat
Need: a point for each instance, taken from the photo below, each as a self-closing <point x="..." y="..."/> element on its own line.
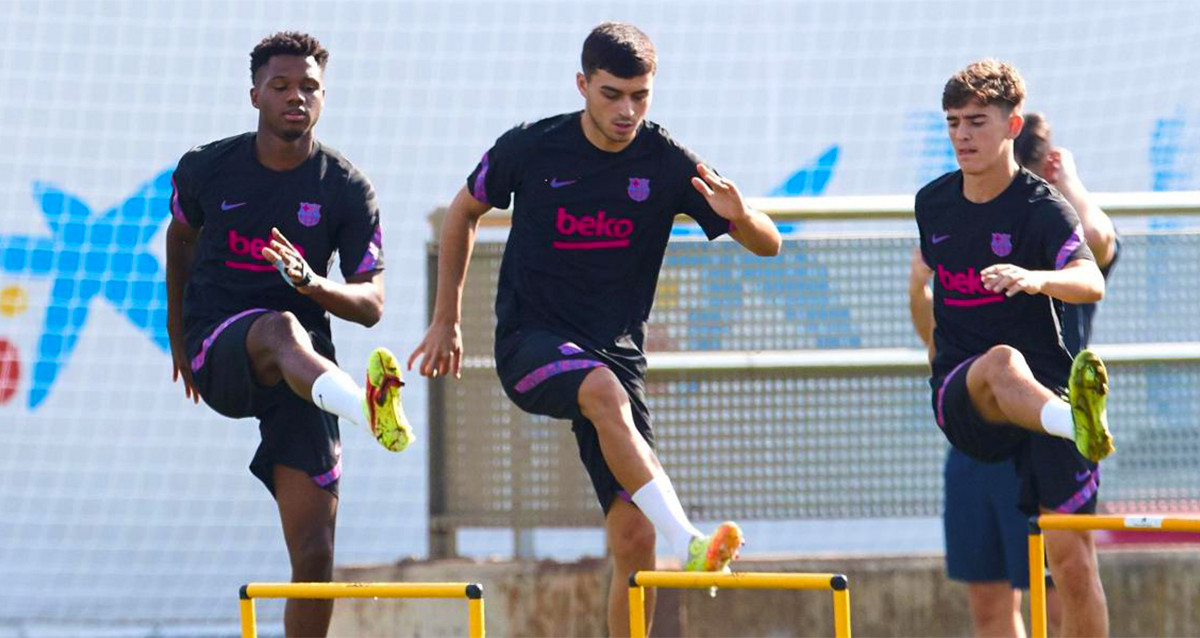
<point x="385" y="414"/>
<point x="1088" y="389"/>
<point x="713" y="553"/>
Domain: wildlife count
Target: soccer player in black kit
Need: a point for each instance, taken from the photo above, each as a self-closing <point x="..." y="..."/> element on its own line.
<point x="986" y="531"/>
<point x="596" y="193"/>
<point x="256" y="219"/>
<point x="1006" y="251"/>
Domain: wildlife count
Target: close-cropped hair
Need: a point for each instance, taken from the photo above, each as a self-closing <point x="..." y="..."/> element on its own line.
<point x="619" y="48"/>
<point x="987" y="82"/>
<point x="286" y="43"/>
<point x="1033" y="144"/>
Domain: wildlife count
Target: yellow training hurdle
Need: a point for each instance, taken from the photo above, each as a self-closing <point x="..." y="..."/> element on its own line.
<point x="1084" y="522"/>
<point x="473" y="592"/>
<point x="638" y="581"/>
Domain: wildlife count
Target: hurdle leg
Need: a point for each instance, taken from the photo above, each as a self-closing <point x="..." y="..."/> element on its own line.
<point x="249" y="624"/>
<point x="475" y="617"/>
<point x="1037" y="580"/>
<point x="637" y="609"/>
<point x="841" y="613"/>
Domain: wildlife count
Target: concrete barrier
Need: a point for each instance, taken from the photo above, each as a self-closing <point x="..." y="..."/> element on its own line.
<point x="1150" y="591"/>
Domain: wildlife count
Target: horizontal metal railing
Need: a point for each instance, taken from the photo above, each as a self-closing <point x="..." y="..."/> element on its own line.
<point x="891" y="207"/>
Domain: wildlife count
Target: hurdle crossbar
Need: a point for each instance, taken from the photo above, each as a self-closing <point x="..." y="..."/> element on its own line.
<point x="639" y="581"/>
<point x="1085" y="522"/>
<point x="473" y="592"/>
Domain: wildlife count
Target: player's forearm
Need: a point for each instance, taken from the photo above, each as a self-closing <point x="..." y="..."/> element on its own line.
<point x="360" y="303"/>
<point x="920" y="297"/>
<point x="1080" y="282"/>
<point x="180" y="254"/>
<point x="757" y="233"/>
<point x="454" y="255"/>
<point x="920" y="309"/>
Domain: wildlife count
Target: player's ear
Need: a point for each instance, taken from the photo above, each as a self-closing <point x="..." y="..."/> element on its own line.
<point x="254" y="96"/>
<point x="1016" y="122"/>
<point x="581" y="84"/>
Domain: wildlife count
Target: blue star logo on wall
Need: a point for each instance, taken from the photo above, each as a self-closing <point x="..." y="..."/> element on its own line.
<point x="1172" y="154"/>
<point x="89" y="255"/>
<point x="810" y="179"/>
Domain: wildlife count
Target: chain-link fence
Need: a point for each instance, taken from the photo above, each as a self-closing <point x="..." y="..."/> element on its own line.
<point x="833" y="420"/>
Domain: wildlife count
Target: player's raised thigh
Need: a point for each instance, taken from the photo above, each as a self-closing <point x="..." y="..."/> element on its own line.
<point x="601" y="395"/>
<point x="272" y="336"/>
<point x="998" y="366"/>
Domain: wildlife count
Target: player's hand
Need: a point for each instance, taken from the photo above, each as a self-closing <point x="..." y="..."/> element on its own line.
<point x="182" y="367"/>
<point x="440" y="351"/>
<point x="722" y="194"/>
<point x="1059" y="167"/>
<point x="291" y="264"/>
<point x="1010" y="279"/>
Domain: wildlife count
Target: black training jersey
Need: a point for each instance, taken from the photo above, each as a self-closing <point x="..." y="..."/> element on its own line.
<point x="589" y="228"/>
<point x="1028" y="225"/>
<point x="323" y="206"/>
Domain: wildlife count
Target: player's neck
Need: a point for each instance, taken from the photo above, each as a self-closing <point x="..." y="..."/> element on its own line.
<point x="983" y="187"/>
<point x="278" y="154"/>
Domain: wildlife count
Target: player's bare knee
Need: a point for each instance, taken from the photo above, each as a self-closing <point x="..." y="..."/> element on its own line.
<point x="991" y="615"/>
<point x="1076" y="581"/>
<point x="601" y="394"/>
<point x="312" y="558"/>
<point x="1003" y="356"/>
<point x="634" y="540"/>
<point x="1073" y="563"/>
<point x="284" y="324"/>
<point x="1003" y="363"/>
<point x="282" y="330"/>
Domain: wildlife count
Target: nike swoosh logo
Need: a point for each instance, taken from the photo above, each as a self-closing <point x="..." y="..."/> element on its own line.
<point x="225" y="206"/>
<point x="937" y="239"/>
<point x="557" y="183"/>
<point x="1082" y="476"/>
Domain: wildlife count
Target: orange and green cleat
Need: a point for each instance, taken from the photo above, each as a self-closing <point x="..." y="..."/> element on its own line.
<point x="1087" y="394"/>
<point x="714" y="552"/>
<point x="385" y="413"/>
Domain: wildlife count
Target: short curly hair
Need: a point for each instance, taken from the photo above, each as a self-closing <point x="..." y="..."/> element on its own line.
<point x="619" y="48"/>
<point x="988" y="82"/>
<point x="286" y="43"/>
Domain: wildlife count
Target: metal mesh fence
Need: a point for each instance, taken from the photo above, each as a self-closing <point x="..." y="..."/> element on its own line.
<point x="849" y="293"/>
<point x="790" y="444"/>
<point x="806" y="442"/>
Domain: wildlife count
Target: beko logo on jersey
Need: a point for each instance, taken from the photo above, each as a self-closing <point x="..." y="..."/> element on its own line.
<point x="609" y="232"/>
<point x="968" y="283"/>
<point x="253" y="247"/>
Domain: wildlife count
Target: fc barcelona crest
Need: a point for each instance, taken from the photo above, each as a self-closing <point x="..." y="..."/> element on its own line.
<point x="639" y="189"/>
<point x="1002" y="244"/>
<point x="309" y="214"/>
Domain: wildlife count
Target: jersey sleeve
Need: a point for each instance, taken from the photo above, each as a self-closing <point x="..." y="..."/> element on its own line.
<point x="691" y="202"/>
<point x="497" y="174"/>
<point x="360" y="238"/>
<point x="185" y="202"/>
<point x="1061" y="234"/>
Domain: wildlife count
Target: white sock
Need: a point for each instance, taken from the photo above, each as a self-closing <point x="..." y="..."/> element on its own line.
<point x="337" y="393"/>
<point x="659" y="502"/>
<point x="1056" y="419"/>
